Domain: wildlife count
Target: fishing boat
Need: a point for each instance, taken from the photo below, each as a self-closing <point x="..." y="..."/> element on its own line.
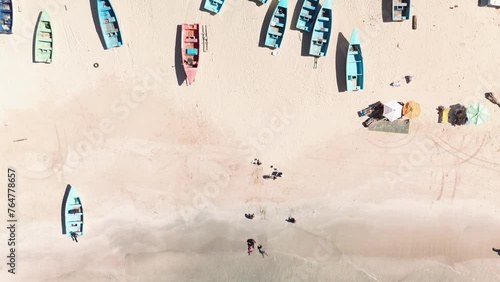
<point x="320" y="37"/>
<point x="355" y="75"/>
<point x="43" y="40"/>
<point x="277" y="25"/>
<point x="214" y="6"/>
<point x="307" y="13"/>
<point x="6" y="16"/>
<point x="401" y="10"/>
<point x="494" y="3"/>
<point x="72" y="213"/>
<point x="109" y="24"/>
<point x="190" y="49"/>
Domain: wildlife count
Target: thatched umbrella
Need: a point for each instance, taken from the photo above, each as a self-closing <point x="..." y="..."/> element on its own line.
<point x="411" y="109"/>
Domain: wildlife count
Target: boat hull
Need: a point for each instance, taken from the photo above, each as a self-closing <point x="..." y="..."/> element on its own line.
<point x="355" y="75"/>
<point x="401" y="10"/>
<point x="214" y="6"/>
<point x="72" y="212"/>
<point x="44" y="40"/>
<point x="277" y="25"/>
<point x="320" y="38"/>
<point x="190" y="50"/>
<point x="307" y="14"/>
<point x="108" y="22"/>
<point x="6" y="16"/>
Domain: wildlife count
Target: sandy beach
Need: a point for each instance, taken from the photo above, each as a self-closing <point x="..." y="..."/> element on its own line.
<point x="164" y="170"/>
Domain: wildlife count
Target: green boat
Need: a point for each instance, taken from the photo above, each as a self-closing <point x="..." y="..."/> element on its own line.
<point x="43" y="40"/>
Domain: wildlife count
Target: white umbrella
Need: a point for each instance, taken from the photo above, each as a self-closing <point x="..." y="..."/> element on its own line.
<point x="393" y="110"/>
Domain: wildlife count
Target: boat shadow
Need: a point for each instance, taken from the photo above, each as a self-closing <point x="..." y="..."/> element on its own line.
<point x="386" y="11"/>
<point x="266" y="22"/>
<point x="295" y="16"/>
<point x="340" y="61"/>
<point x="95" y="17"/>
<point x="257" y="3"/>
<point x="202" y="7"/>
<point x="179" y="70"/>
<point x="306" y="43"/>
<point x="63" y="208"/>
<point x="34" y="37"/>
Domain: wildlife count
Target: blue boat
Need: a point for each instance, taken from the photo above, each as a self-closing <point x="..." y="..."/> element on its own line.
<point x="307" y="14"/>
<point x="72" y="213"/>
<point x="401" y="10"/>
<point x="214" y="6"/>
<point x="6" y="16"/>
<point x="355" y="73"/>
<point x="322" y="30"/>
<point x="109" y="24"/>
<point x="277" y="25"/>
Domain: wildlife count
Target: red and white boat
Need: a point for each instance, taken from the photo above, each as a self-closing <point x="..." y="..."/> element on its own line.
<point x="190" y="49"/>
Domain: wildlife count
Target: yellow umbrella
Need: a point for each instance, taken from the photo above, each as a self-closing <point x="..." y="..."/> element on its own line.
<point x="411" y="109"/>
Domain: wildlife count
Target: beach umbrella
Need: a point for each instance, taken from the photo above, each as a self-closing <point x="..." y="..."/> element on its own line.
<point x="393" y="110"/>
<point x="411" y="109"/>
<point x="477" y="113"/>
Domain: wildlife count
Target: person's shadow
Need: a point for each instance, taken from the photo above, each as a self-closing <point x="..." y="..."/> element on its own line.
<point x="496" y="251"/>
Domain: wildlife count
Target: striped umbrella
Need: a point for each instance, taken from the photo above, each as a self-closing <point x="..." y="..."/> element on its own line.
<point x="477" y="113"/>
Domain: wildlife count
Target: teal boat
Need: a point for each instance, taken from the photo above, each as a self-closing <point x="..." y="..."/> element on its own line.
<point x="307" y="14"/>
<point x="277" y="25"/>
<point x="44" y="40"/>
<point x="213" y="6"/>
<point x="109" y="24"/>
<point x="72" y="212"/>
<point x="355" y="74"/>
<point x="7" y="16"/>
<point x="401" y="10"/>
<point x="320" y="37"/>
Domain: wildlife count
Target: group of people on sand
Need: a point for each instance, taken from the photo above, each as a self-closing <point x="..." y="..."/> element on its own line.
<point x="251" y="242"/>
<point x="251" y="247"/>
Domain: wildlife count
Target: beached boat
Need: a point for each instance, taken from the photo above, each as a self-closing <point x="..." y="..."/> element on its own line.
<point x="401" y="10"/>
<point x="320" y="37"/>
<point x="43" y="40"/>
<point x="214" y="6"/>
<point x="72" y="213"/>
<point x="109" y="24"/>
<point x="355" y="74"/>
<point x="6" y="16"/>
<point x="277" y="25"/>
<point x="494" y="3"/>
<point x="190" y="49"/>
<point x="307" y="14"/>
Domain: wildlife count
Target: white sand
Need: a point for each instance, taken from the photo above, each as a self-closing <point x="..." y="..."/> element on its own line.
<point x="166" y="187"/>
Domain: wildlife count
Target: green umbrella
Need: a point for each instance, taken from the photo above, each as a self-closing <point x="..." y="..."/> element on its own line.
<point x="477" y="113"/>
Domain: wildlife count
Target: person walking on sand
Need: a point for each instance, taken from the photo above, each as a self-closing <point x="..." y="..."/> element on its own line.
<point x="262" y="251"/>
<point x="290" y="219"/>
